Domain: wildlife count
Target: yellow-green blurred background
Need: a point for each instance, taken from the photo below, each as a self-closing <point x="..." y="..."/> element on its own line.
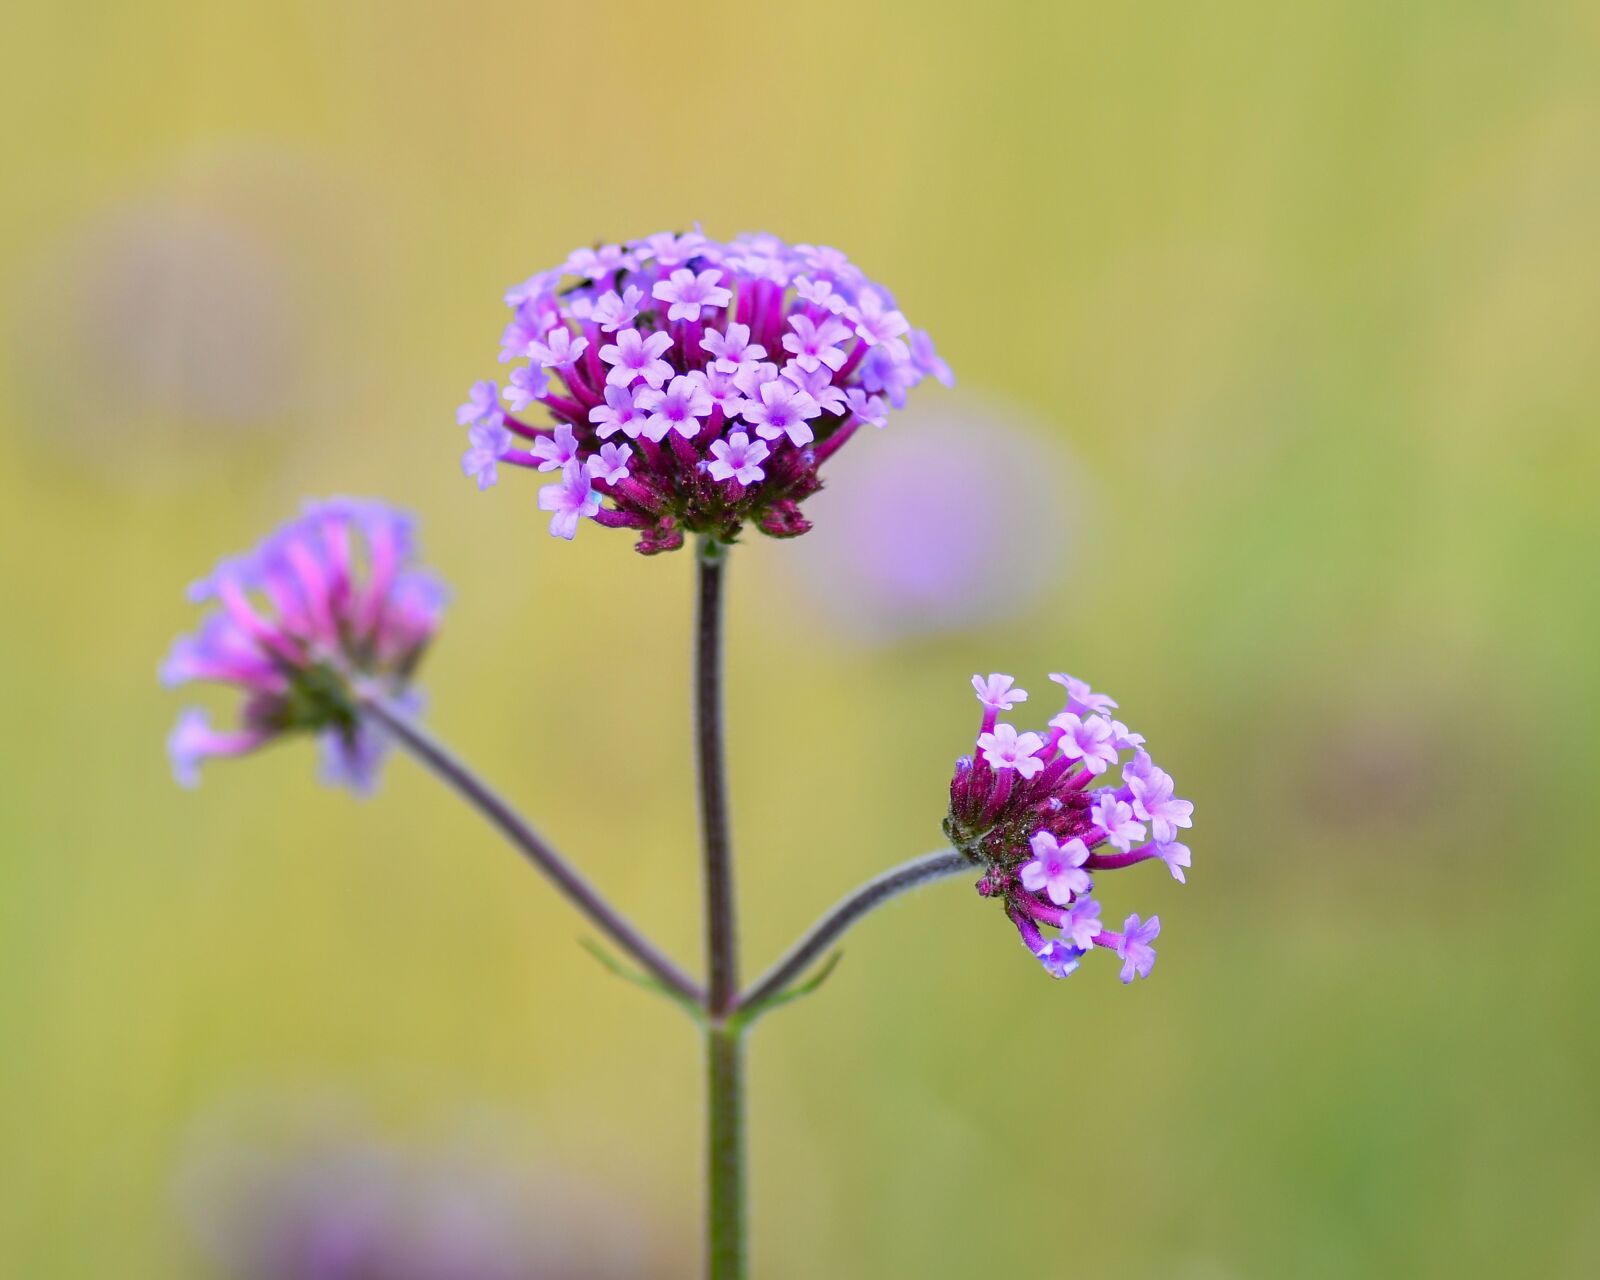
<point x="1304" y="300"/>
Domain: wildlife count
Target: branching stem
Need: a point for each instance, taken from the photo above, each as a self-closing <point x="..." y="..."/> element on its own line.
<point x="870" y="896"/>
<point x="534" y="847"/>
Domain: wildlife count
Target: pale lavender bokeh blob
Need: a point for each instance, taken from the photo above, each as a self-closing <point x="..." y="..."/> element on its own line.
<point x="149" y="334"/>
<point x="958" y="514"/>
<point x="278" y="1190"/>
<point x="164" y="309"/>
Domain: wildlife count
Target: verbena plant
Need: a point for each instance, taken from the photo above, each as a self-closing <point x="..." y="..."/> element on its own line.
<point x="693" y="389"/>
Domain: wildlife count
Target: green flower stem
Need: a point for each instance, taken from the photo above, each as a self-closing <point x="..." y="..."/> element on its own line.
<point x="725" y="1176"/>
<point x="722" y="942"/>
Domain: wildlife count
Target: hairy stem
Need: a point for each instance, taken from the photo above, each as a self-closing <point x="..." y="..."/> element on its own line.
<point x="530" y="844"/>
<point x="725" y="1217"/>
<point x="725" y="1207"/>
<point x="722" y="943"/>
<point x="870" y="896"/>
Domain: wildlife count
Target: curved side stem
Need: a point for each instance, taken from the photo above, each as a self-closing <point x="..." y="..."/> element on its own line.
<point x="873" y="894"/>
<point x="531" y="845"/>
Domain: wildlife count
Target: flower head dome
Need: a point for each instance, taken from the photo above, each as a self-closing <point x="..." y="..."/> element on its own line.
<point x="327" y="600"/>
<point x="1041" y="815"/>
<point x="691" y="385"/>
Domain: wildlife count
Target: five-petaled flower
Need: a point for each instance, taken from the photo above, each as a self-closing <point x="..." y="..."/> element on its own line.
<point x="555" y="451"/>
<point x="1176" y="855"/>
<point x="1086" y="740"/>
<point x="732" y="350"/>
<point x="1133" y="945"/>
<point x="633" y="357"/>
<point x="620" y="412"/>
<point x="1060" y="959"/>
<point x="679" y="407"/>
<point x="1153" y="800"/>
<point x="611" y="463"/>
<point x="737" y="458"/>
<point x="998" y="692"/>
<point x="528" y="382"/>
<point x="1115" y="818"/>
<point x="780" y="408"/>
<point x="1081" y="923"/>
<point x="529" y="323"/>
<point x="486" y="445"/>
<point x="1004" y="748"/>
<point x="1081" y="699"/>
<point x="613" y="311"/>
<point x="818" y="384"/>
<point x="879" y="323"/>
<point x="569" y="499"/>
<point x="1034" y="813"/>
<point x="690" y="293"/>
<point x="1057" y="868"/>
<point x="558" y="348"/>
<point x="813" y="345"/>
<point x="482" y="406"/>
<point x="819" y="293"/>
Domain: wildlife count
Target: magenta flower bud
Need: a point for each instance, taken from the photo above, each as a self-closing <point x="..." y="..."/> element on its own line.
<point x="735" y="370"/>
<point x="325" y="603"/>
<point x="1039" y="815"/>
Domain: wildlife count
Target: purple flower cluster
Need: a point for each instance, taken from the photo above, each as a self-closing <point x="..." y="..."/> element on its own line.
<point x="695" y="385"/>
<point x="328" y="599"/>
<point x="1034" y="811"/>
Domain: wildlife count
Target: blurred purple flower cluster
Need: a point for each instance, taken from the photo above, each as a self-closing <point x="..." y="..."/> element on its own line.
<point x="1024" y="808"/>
<point x="327" y="599"/>
<point x="694" y="384"/>
<point x="349" y="1205"/>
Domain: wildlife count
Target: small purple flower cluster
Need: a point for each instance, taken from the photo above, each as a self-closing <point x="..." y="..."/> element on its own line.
<point x="697" y="385"/>
<point x="1023" y="807"/>
<point x="327" y="600"/>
